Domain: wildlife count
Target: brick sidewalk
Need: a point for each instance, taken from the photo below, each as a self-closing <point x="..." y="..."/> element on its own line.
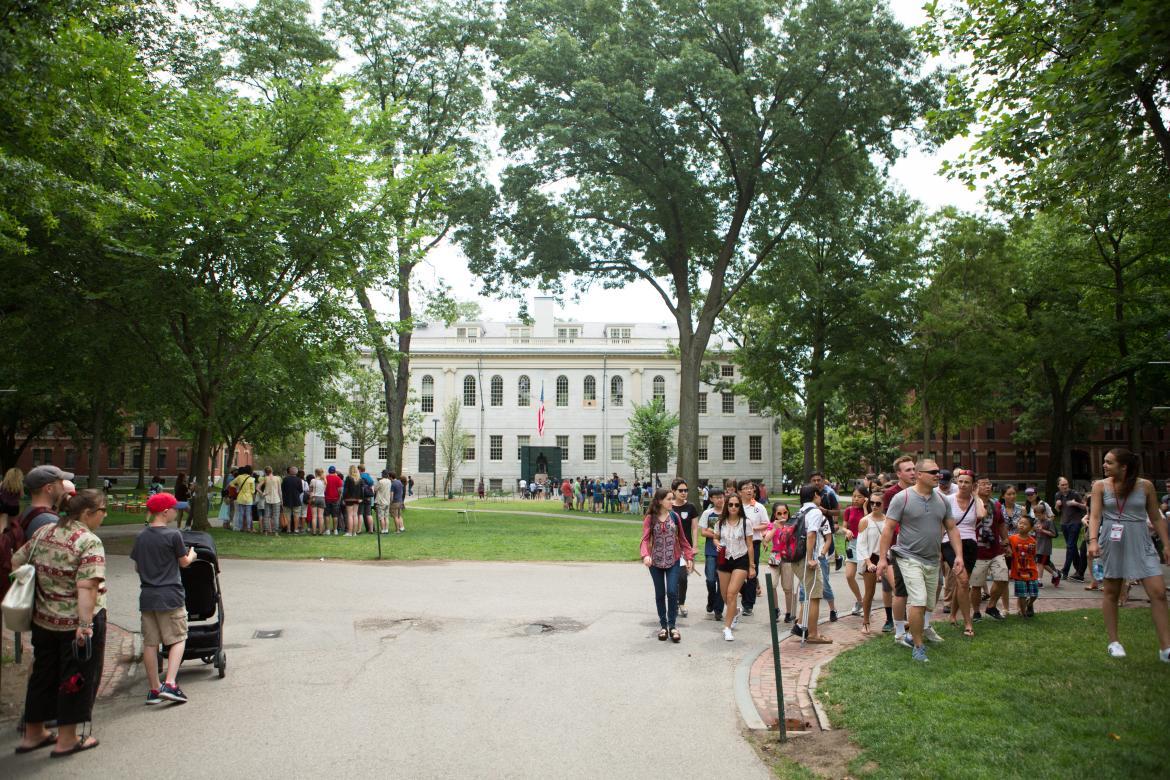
<point x="798" y="664"/>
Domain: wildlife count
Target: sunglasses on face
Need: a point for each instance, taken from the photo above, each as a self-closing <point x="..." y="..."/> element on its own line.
<point x="734" y="506"/>
<point x="682" y="490"/>
<point x="934" y="472"/>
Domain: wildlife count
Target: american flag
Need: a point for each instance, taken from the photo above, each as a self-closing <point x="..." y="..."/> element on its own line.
<point x="540" y="413"/>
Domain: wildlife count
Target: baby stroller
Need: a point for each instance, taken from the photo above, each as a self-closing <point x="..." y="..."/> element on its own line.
<point x="204" y="603"/>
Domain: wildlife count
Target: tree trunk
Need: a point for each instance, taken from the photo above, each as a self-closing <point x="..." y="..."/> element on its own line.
<point x="142" y="456"/>
<point x="821" y="436"/>
<point x="925" y="427"/>
<point x="397" y="411"/>
<point x="97" y="422"/>
<point x="809" y="433"/>
<point x="386" y="368"/>
<point x="691" y="350"/>
<point x="1133" y="415"/>
<point x="945" y="440"/>
<point x="199" y="490"/>
<point x="1057" y="443"/>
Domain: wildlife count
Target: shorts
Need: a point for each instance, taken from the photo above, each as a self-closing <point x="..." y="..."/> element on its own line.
<point x="1043" y="559"/>
<point x="995" y="567"/>
<point x="332" y="508"/>
<point x="735" y="564"/>
<point x="164" y="627"/>
<point x="917" y="581"/>
<point x="300" y="511"/>
<point x="12" y="510"/>
<point x="811" y="580"/>
<point x="318" y="501"/>
<point x="396" y="508"/>
<point x="970" y="553"/>
<point x="1027" y="589"/>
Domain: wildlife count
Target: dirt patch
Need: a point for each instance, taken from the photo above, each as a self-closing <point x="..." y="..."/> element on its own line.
<point x="820" y="753"/>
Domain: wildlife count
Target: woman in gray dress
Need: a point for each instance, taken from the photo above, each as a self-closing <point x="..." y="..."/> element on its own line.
<point x="1122" y="502"/>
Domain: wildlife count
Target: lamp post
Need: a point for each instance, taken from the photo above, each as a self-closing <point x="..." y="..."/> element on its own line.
<point x="973" y="468"/>
<point x="435" y="462"/>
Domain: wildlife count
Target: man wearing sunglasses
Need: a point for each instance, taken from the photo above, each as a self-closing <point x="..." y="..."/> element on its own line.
<point x="922" y="514"/>
<point x="690" y="521"/>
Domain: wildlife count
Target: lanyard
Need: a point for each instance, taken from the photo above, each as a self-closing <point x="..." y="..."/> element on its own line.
<point x="1120" y="504"/>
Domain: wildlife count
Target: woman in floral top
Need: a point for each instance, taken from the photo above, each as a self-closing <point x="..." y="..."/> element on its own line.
<point x="69" y="625"/>
<point x="664" y="545"/>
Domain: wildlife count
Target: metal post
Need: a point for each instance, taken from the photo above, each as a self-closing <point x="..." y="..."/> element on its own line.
<point x="783" y="727"/>
<point x="435" y="463"/>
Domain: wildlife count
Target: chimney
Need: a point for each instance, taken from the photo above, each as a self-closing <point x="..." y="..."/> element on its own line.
<point x="542" y="316"/>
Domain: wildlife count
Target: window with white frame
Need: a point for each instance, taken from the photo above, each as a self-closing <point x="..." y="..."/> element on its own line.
<point x="589" y="447"/>
<point x="469" y="391"/>
<point x="496" y="447"/>
<point x="726" y="371"/>
<point x="562" y="390"/>
<point x="497" y="391"/>
<point x="658" y="387"/>
<point x="753" y="406"/>
<point x="728" y="449"/>
<point x="702" y="403"/>
<point x="496" y="485"/>
<point x="468" y="485"/>
<point x="620" y="335"/>
<point x="469" y="448"/>
<point x="383" y="452"/>
<point x="616" y="391"/>
<point x="702" y="449"/>
<point x="521" y="441"/>
<point x="524" y="391"/>
<point x="427" y="396"/>
<point x="520" y="334"/>
<point x="617" y="448"/>
<point x="331" y="449"/>
<point x="563" y="443"/>
<point x="589" y="389"/>
<point x="728" y="403"/>
<point x="755" y="448"/>
<point x="468" y="334"/>
<point x="568" y="335"/>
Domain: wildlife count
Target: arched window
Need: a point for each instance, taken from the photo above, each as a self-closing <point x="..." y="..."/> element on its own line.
<point x="524" y="391"/>
<point x="659" y="386"/>
<point x="562" y="390"/>
<point x="497" y="398"/>
<point x="590" y="388"/>
<point x="426" y="455"/>
<point x="616" y="394"/>
<point x="469" y="391"/>
<point x="428" y="394"/>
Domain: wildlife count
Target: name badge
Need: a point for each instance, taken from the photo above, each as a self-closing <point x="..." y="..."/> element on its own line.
<point x="1115" y="532"/>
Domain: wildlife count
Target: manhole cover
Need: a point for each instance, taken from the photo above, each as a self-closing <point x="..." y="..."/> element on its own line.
<point x="273" y="634"/>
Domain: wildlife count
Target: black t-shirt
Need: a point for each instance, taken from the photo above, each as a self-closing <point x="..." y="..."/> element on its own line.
<point x="157" y="551"/>
<point x="1070" y="515"/>
<point x="687" y="513"/>
<point x="291" y="490"/>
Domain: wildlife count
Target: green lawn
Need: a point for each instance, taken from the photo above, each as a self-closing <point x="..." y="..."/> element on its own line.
<point x="444" y="536"/>
<point x="1026" y="698"/>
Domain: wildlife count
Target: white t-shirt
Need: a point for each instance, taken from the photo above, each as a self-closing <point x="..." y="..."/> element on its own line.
<point x="708" y="518"/>
<point x="756" y="516"/>
<point x="967" y="525"/>
<point x="317" y="488"/>
<point x="815" y="522"/>
<point x="382" y="491"/>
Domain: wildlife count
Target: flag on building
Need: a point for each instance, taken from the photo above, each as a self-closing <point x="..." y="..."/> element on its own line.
<point x="540" y="413"/>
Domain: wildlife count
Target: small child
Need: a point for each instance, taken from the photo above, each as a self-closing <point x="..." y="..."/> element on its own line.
<point x="157" y="554"/>
<point x="1045" y="533"/>
<point x="1024" y="573"/>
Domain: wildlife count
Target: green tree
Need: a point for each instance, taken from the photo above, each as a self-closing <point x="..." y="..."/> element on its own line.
<point x="452" y="444"/>
<point x="360" y="420"/>
<point x="652" y="442"/>
<point x="676" y="142"/>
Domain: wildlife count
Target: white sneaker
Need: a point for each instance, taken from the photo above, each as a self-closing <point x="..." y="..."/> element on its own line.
<point x="738" y="614"/>
<point x="856" y="609"/>
<point x="931" y="635"/>
<point x="1164" y="655"/>
<point x="1116" y="650"/>
<point x="731" y="637"/>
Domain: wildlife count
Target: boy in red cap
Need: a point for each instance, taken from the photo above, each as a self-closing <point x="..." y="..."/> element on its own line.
<point x="158" y="554"/>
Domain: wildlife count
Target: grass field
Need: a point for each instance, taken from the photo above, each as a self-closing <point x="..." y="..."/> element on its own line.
<point x="1035" y="698"/>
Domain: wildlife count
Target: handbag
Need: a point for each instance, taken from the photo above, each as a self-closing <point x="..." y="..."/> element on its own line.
<point x="20" y="601"/>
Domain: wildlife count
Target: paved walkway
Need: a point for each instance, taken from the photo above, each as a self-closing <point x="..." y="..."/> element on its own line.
<point x="800" y="666"/>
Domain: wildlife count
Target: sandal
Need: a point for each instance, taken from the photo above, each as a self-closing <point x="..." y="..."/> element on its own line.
<point x="49" y="739"/>
<point x="662" y="635"/>
<point x="968" y="632"/>
<point x="675" y="636"/>
<point x="79" y="747"/>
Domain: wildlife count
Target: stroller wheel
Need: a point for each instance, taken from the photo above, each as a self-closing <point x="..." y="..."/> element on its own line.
<point x="206" y="659"/>
<point x="221" y="662"/>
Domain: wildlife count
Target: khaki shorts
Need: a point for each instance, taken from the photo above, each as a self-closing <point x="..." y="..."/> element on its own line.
<point x="812" y="580"/>
<point x="920" y="581"/>
<point x="996" y="568"/>
<point x="165" y="627"/>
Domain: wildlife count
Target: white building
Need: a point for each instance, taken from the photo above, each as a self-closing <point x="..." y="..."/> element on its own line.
<point x="591" y="375"/>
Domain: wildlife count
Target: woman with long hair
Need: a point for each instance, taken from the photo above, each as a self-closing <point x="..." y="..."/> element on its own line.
<point x="736" y="566"/>
<point x="69" y="625"/>
<point x="851" y="518"/>
<point x="869" y="541"/>
<point x="1011" y="517"/>
<point x="782" y="570"/>
<point x="663" y="545"/>
<point x="11" y="491"/>
<point x="1122" y="503"/>
<point x="967" y="510"/>
<point x="182" y="494"/>
<point x="317" y="503"/>
<point x="351" y="497"/>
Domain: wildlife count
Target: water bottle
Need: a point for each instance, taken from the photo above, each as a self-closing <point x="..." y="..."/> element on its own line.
<point x="1098" y="570"/>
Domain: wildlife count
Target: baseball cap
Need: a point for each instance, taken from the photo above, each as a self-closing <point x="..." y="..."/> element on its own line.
<point x="1030" y="491"/>
<point x="332" y="469"/>
<point x="44" y="475"/>
<point x="161" y="502"/>
<point x="944" y="475"/>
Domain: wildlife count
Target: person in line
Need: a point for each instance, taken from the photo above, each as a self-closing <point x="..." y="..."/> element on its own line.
<point x="334" y="510"/>
<point x="757" y="518"/>
<point x="158" y="554"/>
<point x="270" y="489"/>
<point x="397" y="503"/>
<point x="566" y="494"/>
<point x="816" y="528"/>
<point x="922" y="514"/>
<point x="869" y="539"/>
<point x="69" y="613"/>
<point x="967" y="509"/>
<point x="688" y="515"/>
<point x="11" y="492"/>
<point x="905" y="472"/>
<point x="46" y="489"/>
<point x="1120" y="506"/>
<point x="707" y="521"/>
<point x="366" y="505"/>
<point x="783" y="569"/>
<point x="991" y="542"/>
<point x="663" y="545"/>
<point x="1025" y="575"/>
<point x="734" y="559"/>
<point x="291" y="497"/>
<point x="245" y="491"/>
<point x="351" y="496"/>
<point x="851" y="518"/>
<point x="1072" y="509"/>
<point x="382" y="498"/>
<point x="317" y="504"/>
<point x="183" y="496"/>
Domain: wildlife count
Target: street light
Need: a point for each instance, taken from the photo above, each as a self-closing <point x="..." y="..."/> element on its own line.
<point x="435" y="461"/>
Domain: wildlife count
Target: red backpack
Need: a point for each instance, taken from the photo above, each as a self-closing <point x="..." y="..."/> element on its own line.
<point x="790" y="544"/>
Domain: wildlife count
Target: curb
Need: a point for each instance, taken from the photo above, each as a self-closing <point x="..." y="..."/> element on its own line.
<point x="743" y="693"/>
<point x="822" y="716"/>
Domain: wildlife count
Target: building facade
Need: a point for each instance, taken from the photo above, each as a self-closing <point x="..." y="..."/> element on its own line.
<point x="590" y="375"/>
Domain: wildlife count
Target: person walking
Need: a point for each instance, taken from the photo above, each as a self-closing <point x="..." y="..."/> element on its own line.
<point x="735" y="563"/>
<point x="707" y="522"/>
<point x="757" y="518"/>
<point x="991" y="540"/>
<point x="869" y="539"/>
<point x="922" y="514"/>
<point x="317" y="504"/>
<point x="967" y="509"/>
<point x="1071" y="507"/>
<point x="663" y="545"/>
<point x="780" y="560"/>
<point x="816" y="528"/>
<point x="905" y="473"/>
<point x="351" y="496"/>
<point x="851" y="518"/>
<point x="688" y="515"/>
<point x="69" y="626"/>
<point x="1121" y="505"/>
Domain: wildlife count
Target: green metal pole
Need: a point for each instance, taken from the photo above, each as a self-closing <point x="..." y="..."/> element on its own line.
<point x="780" y="720"/>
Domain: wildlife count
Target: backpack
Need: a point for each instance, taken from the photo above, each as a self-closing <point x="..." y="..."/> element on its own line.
<point x="12" y="539"/>
<point x="367" y="490"/>
<point x="790" y="544"/>
<point x="232" y="492"/>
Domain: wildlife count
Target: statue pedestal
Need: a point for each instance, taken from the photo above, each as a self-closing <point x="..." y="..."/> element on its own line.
<point x="541" y="478"/>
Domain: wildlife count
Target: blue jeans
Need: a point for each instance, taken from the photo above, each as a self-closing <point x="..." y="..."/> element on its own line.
<point x="1072" y="552"/>
<point x="666" y="594"/>
<point x="714" y="598"/>
<point x="243" y="517"/>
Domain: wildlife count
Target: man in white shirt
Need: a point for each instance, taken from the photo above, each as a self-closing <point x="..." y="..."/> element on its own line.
<point x="757" y="517"/>
<point x="707" y="521"/>
<point x="816" y="530"/>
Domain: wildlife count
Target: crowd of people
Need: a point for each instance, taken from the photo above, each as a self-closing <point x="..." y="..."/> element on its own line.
<point x="321" y="504"/>
<point x="923" y="535"/>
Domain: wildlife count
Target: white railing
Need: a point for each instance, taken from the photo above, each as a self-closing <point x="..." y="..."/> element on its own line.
<point x="423" y="342"/>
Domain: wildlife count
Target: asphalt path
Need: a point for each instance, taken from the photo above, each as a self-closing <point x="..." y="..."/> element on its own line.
<point x="428" y="669"/>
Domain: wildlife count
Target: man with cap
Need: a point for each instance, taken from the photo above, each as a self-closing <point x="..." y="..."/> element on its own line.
<point x="46" y="486"/>
<point x="158" y="554"/>
<point x="707" y="522"/>
<point x="334" y="517"/>
<point x="946" y="484"/>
